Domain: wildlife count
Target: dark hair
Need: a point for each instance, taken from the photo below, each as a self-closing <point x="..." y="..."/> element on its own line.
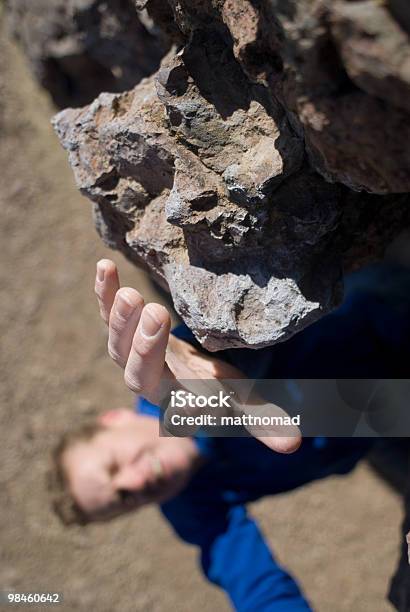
<point x="57" y="483"/>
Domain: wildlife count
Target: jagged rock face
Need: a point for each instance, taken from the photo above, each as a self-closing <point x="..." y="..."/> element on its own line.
<point x="346" y="76"/>
<point x="78" y="48"/>
<point x="227" y="174"/>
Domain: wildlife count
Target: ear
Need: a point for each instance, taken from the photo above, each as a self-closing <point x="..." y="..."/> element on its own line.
<point x="117" y="417"/>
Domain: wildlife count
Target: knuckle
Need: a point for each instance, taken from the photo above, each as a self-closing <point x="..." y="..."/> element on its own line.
<point x="103" y="314"/>
<point x="98" y="291"/>
<point x="115" y="356"/>
<point x="142" y="347"/>
<point x="117" y="325"/>
<point x="132" y="383"/>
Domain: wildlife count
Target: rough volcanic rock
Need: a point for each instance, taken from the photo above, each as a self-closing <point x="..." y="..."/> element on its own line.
<point x="78" y="48"/>
<point x="206" y="208"/>
<point x="346" y="75"/>
<point x="374" y="49"/>
<point x="234" y="174"/>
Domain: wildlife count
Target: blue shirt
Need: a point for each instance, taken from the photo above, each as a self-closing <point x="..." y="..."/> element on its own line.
<point x="368" y="336"/>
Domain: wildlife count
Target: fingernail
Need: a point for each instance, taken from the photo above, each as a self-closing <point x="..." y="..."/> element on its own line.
<point x="149" y="324"/>
<point x="100" y="273"/>
<point x="124" y="305"/>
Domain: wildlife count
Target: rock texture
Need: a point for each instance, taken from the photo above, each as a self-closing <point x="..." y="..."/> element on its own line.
<point x="270" y="149"/>
<point x="338" y="56"/>
<point x="79" y="48"/>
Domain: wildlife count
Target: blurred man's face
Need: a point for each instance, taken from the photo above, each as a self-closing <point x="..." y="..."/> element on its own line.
<point x="126" y="465"/>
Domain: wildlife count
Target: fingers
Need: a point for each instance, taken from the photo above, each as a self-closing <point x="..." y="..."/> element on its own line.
<point x="279" y="434"/>
<point x="137" y="335"/>
<point x="146" y="361"/>
<point x="124" y="318"/>
<point x="106" y="286"/>
<point x="280" y="438"/>
<point x="281" y="444"/>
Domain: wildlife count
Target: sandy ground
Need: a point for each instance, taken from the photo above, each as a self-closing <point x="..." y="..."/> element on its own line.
<point x="340" y="537"/>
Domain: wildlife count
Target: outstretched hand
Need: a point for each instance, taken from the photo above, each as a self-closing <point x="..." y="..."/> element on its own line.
<point x="139" y="341"/>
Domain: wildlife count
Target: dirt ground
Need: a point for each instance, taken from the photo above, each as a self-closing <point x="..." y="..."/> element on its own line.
<point x="340" y="537"/>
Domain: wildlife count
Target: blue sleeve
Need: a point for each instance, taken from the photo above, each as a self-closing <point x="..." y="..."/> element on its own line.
<point x="234" y="555"/>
